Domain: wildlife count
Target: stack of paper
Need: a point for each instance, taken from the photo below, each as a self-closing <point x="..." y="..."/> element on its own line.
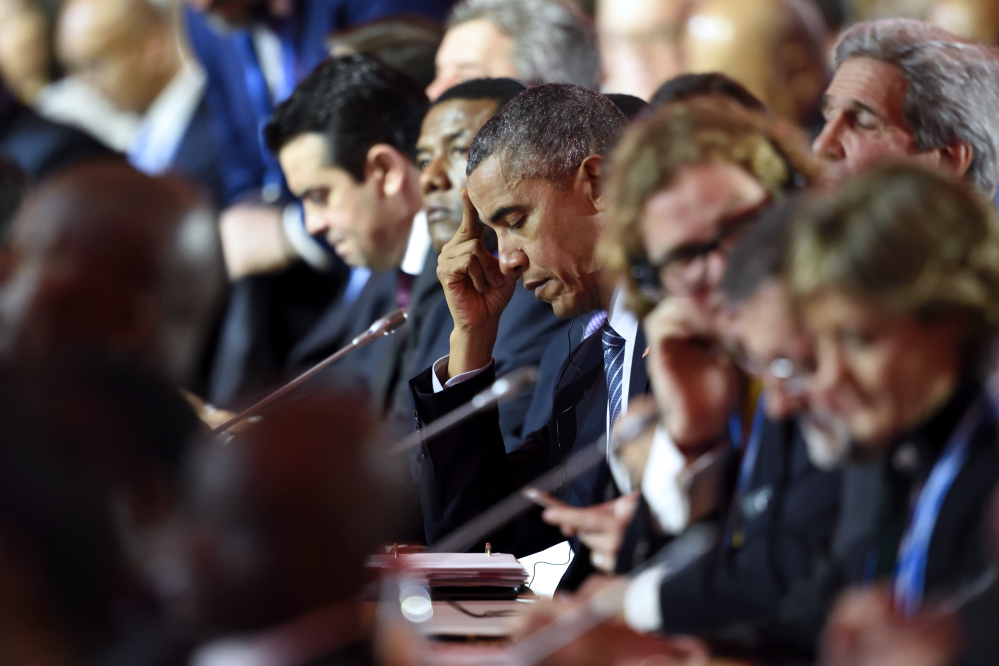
<point x="461" y="569"/>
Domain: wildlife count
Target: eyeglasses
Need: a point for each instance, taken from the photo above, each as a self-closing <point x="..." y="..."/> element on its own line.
<point x="684" y="271"/>
<point x="792" y="376"/>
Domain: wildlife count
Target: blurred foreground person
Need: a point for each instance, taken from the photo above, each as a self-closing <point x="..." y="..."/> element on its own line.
<point x="536" y="41"/>
<point x="896" y="279"/>
<point x="640" y="43"/>
<point x="60" y="567"/>
<point x="130" y="51"/>
<point x="775" y="48"/>
<point x="109" y="261"/>
<point x="908" y="90"/>
<point x="280" y="523"/>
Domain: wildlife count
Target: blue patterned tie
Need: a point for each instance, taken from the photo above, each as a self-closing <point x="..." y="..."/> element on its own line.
<point x="614" y="370"/>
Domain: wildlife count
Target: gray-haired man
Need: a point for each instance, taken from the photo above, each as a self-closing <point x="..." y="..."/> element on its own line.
<point x="907" y="89"/>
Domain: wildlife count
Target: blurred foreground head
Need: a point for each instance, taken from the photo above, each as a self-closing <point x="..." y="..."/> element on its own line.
<point x="685" y="184"/>
<point x="109" y="261"/>
<point x="283" y="517"/>
<point x="897" y="279"/>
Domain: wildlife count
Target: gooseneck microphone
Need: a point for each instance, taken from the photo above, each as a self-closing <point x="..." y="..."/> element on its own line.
<point x="381" y="328"/>
<point x="508" y="386"/>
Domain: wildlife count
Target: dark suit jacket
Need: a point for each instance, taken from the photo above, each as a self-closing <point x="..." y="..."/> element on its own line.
<point x="265" y="318"/>
<point x="957" y="554"/>
<point x="197" y="157"/>
<point x="467" y="470"/>
<point x="245" y="160"/>
<point x="785" y="520"/>
<point x="39" y="146"/>
<point x="339" y="324"/>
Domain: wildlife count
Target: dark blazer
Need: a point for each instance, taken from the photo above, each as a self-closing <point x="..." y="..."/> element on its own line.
<point x="467" y="470"/>
<point x="197" y="157"/>
<point x="957" y="554"/>
<point x="245" y="160"/>
<point x="39" y="146"/>
<point x="339" y="324"/>
<point x="782" y="523"/>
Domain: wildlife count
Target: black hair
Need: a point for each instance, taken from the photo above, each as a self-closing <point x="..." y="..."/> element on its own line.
<point x="546" y="132"/>
<point x="630" y="105"/>
<point x="760" y="254"/>
<point x="355" y="102"/>
<point x="502" y="90"/>
<point x="687" y="86"/>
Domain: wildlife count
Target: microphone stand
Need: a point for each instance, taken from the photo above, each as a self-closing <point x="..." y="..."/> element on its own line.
<point x="381" y="328"/>
<point x="504" y="388"/>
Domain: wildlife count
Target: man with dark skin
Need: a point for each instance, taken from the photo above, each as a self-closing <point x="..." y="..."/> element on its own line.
<point x="279" y="528"/>
<point x="110" y="261"/>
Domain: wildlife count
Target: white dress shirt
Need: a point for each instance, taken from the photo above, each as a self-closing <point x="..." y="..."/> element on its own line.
<point x="155" y="144"/>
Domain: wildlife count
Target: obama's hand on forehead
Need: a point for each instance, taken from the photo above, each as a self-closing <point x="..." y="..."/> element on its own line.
<point x="477" y="292"/>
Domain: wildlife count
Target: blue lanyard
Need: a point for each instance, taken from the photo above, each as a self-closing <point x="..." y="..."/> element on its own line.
<point x="749" y="455"/>
<point x="752" y="448"/>
<point x="910" y="571"/>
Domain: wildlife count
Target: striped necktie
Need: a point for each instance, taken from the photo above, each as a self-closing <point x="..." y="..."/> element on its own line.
<point x="614" y="371"/>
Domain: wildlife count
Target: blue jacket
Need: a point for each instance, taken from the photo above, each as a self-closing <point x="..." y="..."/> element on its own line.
<point x="238" y="113"/>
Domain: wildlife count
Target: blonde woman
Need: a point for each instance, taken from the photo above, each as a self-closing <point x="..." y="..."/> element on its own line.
<point x="896" y="277"/>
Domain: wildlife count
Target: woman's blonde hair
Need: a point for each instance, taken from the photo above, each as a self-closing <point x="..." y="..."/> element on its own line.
<point x="907" y="241"/>
<point x="652" y="152"/>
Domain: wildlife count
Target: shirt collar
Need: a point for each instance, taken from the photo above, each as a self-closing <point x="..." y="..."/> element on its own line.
<point x="418" y="247"/>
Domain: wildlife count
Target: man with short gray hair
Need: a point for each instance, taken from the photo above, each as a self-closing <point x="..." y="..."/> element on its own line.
<point x="536" y="41"/>
<point x="908" y="89"/>
<point x="535" y="174"/>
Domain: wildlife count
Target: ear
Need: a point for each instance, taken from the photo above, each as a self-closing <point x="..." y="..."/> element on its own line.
<point x="589" y="181"/>
<point x="957" y="157"/>
<point x="388" y="167"/>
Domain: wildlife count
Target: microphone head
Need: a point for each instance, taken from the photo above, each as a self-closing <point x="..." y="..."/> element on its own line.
<point x="514" y="382"/>
<point x="389" y="324"/>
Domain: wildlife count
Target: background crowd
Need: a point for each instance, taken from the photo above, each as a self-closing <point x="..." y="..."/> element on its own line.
<point x="757" y="236"/>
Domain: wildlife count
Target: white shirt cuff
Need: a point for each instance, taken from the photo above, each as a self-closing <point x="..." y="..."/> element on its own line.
<point x="642" y="611"/>
<point x="307" y="247"/>
<point x="664" y="485"/>
<point x="440" y="370"/>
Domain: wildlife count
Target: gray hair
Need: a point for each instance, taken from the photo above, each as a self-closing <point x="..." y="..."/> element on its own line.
<point x="553" y="41"/>
<point x="953" y="92"/>
<point x="546" y="132"/>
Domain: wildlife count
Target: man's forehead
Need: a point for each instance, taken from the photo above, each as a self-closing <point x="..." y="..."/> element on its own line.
<point x="871" y="83"/>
